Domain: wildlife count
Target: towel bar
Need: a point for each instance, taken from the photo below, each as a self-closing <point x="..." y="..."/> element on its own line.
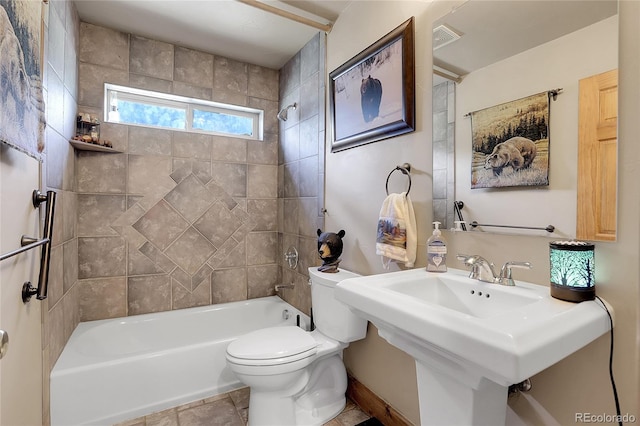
<point x="406" y="170"/>
<point x="548" y="228"/>
<point x="28" y="243"/>
<point x="458" y="205"/>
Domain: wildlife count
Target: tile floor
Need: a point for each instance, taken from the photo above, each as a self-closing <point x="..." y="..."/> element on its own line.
<point x="229" y="409"/>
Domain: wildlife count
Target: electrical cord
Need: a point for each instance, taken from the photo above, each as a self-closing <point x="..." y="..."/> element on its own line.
<point x="613" y="382"/>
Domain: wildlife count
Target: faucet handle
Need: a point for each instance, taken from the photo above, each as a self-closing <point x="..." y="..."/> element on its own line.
<point x="464" y="257"/>
<point x="505" y="271"/>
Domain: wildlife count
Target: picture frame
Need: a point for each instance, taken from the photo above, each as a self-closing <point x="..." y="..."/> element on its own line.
<point x="372" y="95"/>
<point x="510" y="143"/>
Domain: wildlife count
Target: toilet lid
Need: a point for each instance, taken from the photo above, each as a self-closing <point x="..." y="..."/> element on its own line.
<point x="273" y="342"/>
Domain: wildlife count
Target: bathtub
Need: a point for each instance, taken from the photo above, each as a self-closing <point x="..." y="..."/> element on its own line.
<point x="119" y="369"/>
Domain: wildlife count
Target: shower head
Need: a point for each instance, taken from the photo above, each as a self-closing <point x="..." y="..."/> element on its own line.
<point x="284" y="112"/>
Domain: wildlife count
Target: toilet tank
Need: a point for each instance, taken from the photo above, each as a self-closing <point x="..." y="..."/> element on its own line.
<point x="330" y="316"/>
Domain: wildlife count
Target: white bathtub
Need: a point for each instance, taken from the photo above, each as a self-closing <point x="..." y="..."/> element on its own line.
<point x="119" y="369"/>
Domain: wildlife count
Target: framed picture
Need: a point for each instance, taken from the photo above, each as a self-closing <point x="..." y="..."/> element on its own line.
<point x="22" y="115"/>
<point x="510" y="143"/>
<point x="372" y="96"/>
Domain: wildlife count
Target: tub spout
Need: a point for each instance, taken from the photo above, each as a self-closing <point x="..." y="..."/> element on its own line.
<point x="282" y="286"/>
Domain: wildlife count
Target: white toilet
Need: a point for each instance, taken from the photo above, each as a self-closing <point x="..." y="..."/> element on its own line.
<point x="298" y="377"/>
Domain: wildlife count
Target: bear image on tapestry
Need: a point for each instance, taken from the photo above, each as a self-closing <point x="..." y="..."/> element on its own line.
<point x="510" y="144"/>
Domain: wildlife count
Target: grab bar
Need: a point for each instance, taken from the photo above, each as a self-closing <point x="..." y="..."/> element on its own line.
<point x="28" y="243"/>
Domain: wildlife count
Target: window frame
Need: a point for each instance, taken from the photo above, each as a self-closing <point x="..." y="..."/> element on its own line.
<point x="188" y="105"/>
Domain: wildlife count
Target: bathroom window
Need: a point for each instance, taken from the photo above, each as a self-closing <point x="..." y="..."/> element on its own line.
<point x="139" y="107"/>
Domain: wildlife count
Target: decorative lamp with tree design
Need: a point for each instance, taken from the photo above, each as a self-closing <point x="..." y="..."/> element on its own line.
<point x="572" y="273"/>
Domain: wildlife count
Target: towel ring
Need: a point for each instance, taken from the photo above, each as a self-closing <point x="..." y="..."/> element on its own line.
<point x="406" y="170"/>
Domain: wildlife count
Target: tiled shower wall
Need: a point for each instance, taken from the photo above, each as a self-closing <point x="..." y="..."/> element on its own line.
<point x="177" y="219"/>
<point x="443" y="153"/>
<point x="60" y="309"/>
<point x="262" y="198"/>
<point x="301" y="166"/>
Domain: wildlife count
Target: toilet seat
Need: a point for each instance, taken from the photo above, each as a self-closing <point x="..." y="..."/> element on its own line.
<point x="272" y="346"/>
<point x="298" y="377"/>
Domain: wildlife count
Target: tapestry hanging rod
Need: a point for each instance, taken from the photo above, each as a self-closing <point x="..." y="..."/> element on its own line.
<point x="553" y="94"/>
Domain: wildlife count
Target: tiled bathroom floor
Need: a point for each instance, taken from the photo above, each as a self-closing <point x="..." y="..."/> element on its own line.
<point x="229" y="409"/>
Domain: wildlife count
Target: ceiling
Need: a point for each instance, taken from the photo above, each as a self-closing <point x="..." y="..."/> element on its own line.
<point x="491" y="29"/>
<point x="495" y="30"/>
<point x="227" y="28"/>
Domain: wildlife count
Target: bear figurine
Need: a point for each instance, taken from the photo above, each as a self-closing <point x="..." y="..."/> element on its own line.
<point x="329" y="250"/>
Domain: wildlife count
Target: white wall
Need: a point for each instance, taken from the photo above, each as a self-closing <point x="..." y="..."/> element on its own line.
<point x="355" y="185"/>
<point x="558" y="64"/>
<point x="355" y="189"/>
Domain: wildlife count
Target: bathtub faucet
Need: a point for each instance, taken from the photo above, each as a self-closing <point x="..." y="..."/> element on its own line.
<point x="281" y="286"/>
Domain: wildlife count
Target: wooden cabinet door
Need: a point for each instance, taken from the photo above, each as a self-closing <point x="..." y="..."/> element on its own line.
<point x="598" y="157"/>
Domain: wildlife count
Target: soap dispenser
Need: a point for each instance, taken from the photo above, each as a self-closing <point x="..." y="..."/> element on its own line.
<point x="436" y="251"/>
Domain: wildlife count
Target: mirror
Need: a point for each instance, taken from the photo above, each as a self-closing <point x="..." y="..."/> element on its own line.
<point x="490" y="53"/>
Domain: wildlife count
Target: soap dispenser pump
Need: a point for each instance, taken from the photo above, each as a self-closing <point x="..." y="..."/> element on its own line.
<point x="436" y="251"/>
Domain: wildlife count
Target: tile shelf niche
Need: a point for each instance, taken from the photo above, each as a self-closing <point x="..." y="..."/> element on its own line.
<point x="85" y="146"/>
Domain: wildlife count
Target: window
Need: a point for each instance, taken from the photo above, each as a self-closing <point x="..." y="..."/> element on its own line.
<point x="138" y="107"/>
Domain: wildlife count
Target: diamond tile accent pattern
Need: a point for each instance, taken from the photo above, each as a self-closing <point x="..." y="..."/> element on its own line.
<point x="174" y="208"/>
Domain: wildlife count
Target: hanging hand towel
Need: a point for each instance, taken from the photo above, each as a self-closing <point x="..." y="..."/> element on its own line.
<point x="396" y="238"/>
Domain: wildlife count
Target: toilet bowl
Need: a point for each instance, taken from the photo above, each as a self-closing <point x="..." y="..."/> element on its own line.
<point x="297" y="377"/>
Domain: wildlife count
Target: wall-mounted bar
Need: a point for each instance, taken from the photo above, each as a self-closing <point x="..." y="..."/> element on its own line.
<point x="549" y="228"/>
<point x="45" y="259"/>
<point x="28" y="243"/>
<point x="458" y="205"/>
<point x="457" y="208"/>
<point x="553" y="95"/>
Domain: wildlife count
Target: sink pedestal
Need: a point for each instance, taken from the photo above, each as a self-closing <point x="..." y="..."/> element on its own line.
<point x="451" y="390"/>
<point x="471" y="340"/>
<point x="445" y="400"/>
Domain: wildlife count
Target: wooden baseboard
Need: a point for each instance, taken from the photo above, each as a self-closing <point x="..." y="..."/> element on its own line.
<point x="373" y="405"/>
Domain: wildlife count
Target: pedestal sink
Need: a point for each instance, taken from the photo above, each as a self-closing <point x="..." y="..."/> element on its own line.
<point x="471" y="340"/>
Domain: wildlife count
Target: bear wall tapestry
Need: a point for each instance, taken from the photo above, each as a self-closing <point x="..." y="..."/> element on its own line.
<point x="510" y="143"/>
<point x="372" y="96"/>
<point x="22" y="112"/>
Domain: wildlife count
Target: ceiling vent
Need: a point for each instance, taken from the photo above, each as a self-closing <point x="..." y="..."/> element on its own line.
<point x="443" y="35"/>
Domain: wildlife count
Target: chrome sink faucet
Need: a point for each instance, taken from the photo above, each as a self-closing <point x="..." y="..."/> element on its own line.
<point x="505" y="272"/>
<point x="483" y="270"/>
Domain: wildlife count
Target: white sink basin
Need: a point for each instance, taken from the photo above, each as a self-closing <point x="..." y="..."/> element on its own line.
<point x="482" y="337"/>
<point x="458" y="293"/>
